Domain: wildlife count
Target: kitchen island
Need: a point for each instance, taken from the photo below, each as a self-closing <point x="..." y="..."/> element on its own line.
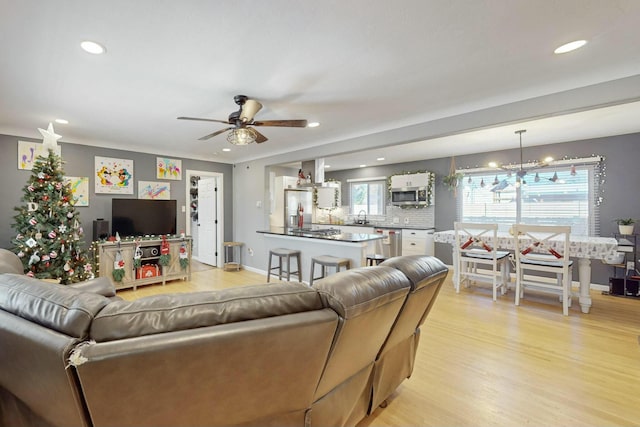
<point x="312" y="242"/>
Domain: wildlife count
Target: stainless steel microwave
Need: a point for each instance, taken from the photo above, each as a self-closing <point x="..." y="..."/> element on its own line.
<point x="409" y="196"/>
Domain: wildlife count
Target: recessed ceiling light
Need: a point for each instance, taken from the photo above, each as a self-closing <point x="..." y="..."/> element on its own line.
<point x="313" y="125"/>
<point x="62" y="121"/>
<point x="363" y="166"/>
<point x="380" y="159"/>
<point x="92" y="47"/>
<point x="570" y="46"/>
<point x="226" y="149"/>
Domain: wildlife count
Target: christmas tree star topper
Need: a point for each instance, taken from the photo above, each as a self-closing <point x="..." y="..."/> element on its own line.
<point x="50" y="140"/>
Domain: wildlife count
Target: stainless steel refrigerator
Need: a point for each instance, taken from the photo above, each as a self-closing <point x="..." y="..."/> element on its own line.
<point x="298" y="202"/>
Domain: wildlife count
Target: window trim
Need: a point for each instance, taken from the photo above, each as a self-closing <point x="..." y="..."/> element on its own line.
<point x="375" y="179"/>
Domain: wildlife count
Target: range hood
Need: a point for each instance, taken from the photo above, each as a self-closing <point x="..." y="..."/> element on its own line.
<point x="316" y="169"/>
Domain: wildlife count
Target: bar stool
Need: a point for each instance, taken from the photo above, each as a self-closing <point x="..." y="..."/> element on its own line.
<point x="232" y="253"/>
<point x="327" y="261"/>
<point x="375" y="259"/>
<point x="286" y="254"/>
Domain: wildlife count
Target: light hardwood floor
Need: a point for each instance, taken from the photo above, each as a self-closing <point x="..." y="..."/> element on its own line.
<point x="481" y="363"/>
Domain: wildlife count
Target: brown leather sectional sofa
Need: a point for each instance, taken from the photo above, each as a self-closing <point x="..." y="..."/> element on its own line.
<point x="275" y="354"/>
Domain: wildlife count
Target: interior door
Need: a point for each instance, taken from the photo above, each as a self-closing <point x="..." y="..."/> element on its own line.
<point x="207" y="221"/>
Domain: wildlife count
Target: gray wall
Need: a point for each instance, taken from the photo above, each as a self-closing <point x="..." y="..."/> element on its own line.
<point x="79" y="161"/>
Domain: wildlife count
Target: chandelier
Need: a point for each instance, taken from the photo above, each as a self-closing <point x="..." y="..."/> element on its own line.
<point x="242" y="136"/>
<point x="522" y="169"/>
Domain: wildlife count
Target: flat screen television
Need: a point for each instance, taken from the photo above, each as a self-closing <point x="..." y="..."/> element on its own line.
<point x="141" y="217"/>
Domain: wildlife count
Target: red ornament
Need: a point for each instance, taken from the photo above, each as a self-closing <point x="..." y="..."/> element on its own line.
<point x="45" y="197"/>
<point x="164" y="247"/>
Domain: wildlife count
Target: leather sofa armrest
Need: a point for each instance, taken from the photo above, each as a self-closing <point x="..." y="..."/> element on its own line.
<point x="100" y="285"/>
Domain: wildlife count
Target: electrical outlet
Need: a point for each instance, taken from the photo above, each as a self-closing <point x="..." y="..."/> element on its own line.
<point x="396" y="220"/>
<point x="250" y="250"/>
<point x="406" y="220"/>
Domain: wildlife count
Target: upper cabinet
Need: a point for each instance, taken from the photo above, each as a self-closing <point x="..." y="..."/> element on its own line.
<point x="410" y="180"/>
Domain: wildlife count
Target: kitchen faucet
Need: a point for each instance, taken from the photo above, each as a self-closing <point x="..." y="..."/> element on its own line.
<point x="359" y="221"/>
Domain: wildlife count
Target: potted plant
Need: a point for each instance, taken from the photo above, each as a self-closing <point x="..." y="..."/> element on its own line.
<point x="451" y="181"/>
<point x="625" y="225"/>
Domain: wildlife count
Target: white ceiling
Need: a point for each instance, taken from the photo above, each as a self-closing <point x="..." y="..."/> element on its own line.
<point x="358" y="67"/>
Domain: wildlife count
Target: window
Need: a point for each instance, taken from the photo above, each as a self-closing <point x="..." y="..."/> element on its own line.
<point x="368" y="196"/>
<point x="561" y="195"/>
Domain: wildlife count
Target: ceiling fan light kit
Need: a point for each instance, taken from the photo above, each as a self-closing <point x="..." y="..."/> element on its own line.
<point x="242" y="130"/>
<point x="242" y="136"/>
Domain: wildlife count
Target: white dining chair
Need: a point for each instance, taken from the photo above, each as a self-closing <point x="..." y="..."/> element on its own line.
<point x="543" y="249"/>
<point x="477" y="258"/>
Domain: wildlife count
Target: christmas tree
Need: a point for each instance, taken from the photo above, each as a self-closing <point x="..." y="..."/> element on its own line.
<point x="49" y="238"/>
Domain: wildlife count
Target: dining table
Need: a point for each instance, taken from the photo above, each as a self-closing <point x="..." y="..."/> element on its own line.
<point x="582" y="248"/>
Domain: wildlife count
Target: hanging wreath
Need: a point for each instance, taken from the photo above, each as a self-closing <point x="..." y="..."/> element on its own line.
<point x="118" y="267"/>
<point x="137" y="255"/>
<point x="165" y="257"/>
<point x="184" y="256"/>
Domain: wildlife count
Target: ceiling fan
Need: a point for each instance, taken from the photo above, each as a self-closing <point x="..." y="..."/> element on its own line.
<point x="242" y="130"/>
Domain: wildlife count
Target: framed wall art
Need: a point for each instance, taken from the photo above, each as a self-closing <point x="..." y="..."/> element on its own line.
<point x="113" y="176"/>
<point x="154" y="190"/>
<point x="79" y="186"/>
<point x="168" y="168"/>
<point x="28" y="152"/>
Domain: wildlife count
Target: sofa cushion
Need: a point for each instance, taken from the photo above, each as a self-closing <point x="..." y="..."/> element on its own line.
<point x="10" y="263"/>
<point x="64" y="309"/>
<point x="354" y="292"/>
<point x="175" y="312"/>
<point x="420" y="269"/>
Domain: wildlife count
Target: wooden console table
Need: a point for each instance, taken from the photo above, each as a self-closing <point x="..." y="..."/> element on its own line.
<point x="107" y="253"/>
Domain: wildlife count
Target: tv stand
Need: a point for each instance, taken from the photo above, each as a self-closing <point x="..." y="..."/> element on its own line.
<point x="132" y="278"/>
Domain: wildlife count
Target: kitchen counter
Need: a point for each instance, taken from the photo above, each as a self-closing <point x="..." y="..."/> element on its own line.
<point x="329" y="233"/>
<point x="376" y="225"/>
<point x="317" y="241"/>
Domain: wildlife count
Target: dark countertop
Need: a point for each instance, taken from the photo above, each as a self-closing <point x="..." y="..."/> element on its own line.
<point x="381" y="226"/>
<point x="319" y="233"/>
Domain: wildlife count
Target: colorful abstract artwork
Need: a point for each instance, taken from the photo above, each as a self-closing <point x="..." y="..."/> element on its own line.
<point x="28" y="152"/>
<point x="79" y="186"/>
<point x="154" y="190"/>
<point x="114" y="176"/>
<point x="168" y="168"/>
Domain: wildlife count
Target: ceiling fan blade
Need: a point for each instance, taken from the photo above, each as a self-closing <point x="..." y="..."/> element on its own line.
<point x="282" y="123"/>
<point x="260" y="138"/>
<point x="211" y="135"/>
<point x="226" y="122"/>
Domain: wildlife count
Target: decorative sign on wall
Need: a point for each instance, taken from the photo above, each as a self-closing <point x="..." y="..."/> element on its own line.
<point x="114" y="176"/>
<point x="28" y="152"/>
<point x="79" y="186"/>
<point x="168" y="168"/>
<point x="154" y="190"/>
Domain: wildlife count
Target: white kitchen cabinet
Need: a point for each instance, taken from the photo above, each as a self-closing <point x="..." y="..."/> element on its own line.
<point x="417" y="242"/>
<point x="410" y="180"/>
<point x="328" y="197"/>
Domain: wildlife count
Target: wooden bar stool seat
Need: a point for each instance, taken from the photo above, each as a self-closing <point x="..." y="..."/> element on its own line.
<point x="284" y="254"/>
<point x="327" y="261"/>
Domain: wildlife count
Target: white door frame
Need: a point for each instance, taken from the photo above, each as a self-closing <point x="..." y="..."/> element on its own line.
<point x="220" y="202"/>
